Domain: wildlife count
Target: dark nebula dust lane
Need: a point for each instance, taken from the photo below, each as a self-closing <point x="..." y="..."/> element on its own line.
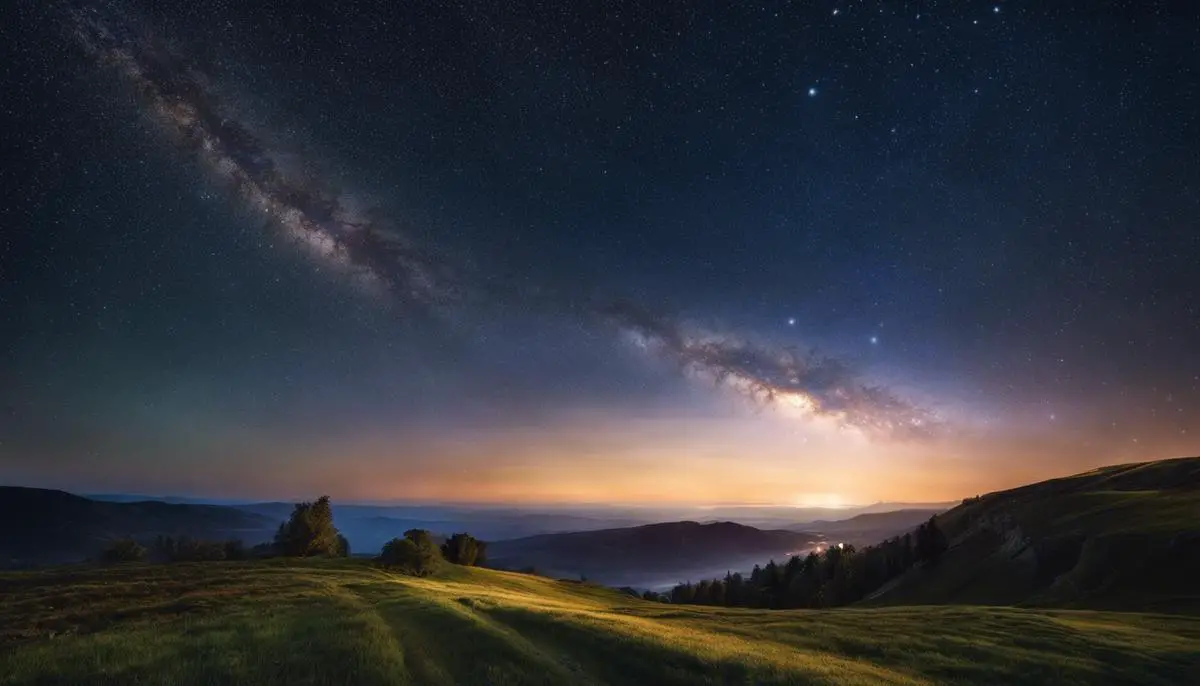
<point x="178" y="95"/>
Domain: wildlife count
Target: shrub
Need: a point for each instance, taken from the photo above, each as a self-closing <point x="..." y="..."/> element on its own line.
<point x="235" y="550"/>
<point x="414" y="554"/>
<point x="123" y="550"/>
<point x="464" y="549"/>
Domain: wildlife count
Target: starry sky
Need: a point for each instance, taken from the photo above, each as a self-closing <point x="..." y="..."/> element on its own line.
<point x="811" y="253"/>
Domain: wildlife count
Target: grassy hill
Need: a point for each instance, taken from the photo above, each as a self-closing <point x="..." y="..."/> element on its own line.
<point x="1121" y="537"/>
<point x="58" y="527"/>
<point x="346" y="622"/>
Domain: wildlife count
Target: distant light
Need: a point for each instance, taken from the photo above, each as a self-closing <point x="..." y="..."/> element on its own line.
<point x="812" y="92"/>
<point x="835" y="12"/>
<point x="874" y="340"/>
<point x="791" y="321"/>
<point x="996" y="9"/>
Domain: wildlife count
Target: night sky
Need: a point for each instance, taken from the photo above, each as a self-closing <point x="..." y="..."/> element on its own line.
<point x="785" y="252"/>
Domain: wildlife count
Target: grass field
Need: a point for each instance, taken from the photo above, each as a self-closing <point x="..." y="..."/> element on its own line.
<point x="346" y="622"/>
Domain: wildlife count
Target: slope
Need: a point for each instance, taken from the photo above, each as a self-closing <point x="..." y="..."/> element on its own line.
<point x="345" y="622"/>
<point x="1121" y="537"/>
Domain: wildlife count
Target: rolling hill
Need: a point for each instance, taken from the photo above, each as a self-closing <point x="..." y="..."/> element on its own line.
<point x="346" y="622"/>
<point x="1122" y="537"/>
<point x="649" y="555"/>
<point x="58" y="527"/>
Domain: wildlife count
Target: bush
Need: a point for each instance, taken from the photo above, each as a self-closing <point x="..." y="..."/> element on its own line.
<point x="235" y="550"/>
<point x="123" y="550"/>
<point x="464" y="549"/>
<point x="414" y="554"/>
<point x="187" y="549"/>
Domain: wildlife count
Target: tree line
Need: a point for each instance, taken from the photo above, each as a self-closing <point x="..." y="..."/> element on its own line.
<point x="839" y="575"/>
<point x="308" y="532"/>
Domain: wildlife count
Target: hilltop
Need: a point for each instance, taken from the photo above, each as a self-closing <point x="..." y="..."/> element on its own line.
<point x="58" y="527"/>
<point x="347" y="622"/>
<point x="1126" y="536"/>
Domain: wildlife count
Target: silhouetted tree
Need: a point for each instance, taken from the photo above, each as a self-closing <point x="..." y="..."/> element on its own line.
<point x="309" y="532"/>
<point x="840" y="575"/>
<point x="235" y="549"/>
<point x="464" y="549"/>
<point x="931" y="542"/>
<point x="414" y="554"/>
<point x="123" y="550"/>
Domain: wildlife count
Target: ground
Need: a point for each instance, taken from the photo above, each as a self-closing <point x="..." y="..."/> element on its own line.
<point x="348" y="622"/>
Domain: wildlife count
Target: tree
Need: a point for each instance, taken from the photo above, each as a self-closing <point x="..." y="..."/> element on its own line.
<point x="310" y="531"/>
<point x="414" y="554"/>
<point x="123" y="550"/>
<point x="464" y="549"/>
<point x="931" y="542"/>
<point x="400" y="553"/>
<point x="235" y="549"/>
<point x="343" y="546"/>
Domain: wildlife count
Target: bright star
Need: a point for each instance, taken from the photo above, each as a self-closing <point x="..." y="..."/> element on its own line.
<point x="812" y="92"/>
<point x="791" y="321"/>
<point x="874" y="340"/>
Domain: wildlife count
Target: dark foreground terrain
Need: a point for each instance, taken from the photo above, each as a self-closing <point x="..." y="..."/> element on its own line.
<point x="347" y="622"/>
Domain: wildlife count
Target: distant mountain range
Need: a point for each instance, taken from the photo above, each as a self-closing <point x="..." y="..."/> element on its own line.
<point x="629" y="545"/>
<point x="866" y="529"/>
<point x="650" y="555"/>
<point x="47" y="526"/>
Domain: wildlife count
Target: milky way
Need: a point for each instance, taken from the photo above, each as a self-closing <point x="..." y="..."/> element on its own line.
<point x="176" y="93"/>
<point x="180" y="96"/>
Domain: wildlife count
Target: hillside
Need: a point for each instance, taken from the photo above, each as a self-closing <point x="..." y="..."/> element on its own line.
<point x="638" y="555"/>
<point x="865" y="529"/>
<point x="57" y="527"/>
<point x="345" y="622"/>
<point x="1118" y="537"/>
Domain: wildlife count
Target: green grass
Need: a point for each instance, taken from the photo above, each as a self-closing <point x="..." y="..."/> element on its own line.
<point x="346" y="622"/>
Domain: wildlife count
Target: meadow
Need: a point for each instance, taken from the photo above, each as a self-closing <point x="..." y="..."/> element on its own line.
<point x="348" y="622"/>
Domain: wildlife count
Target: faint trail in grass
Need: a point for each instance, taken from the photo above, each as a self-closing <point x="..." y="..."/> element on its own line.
<point x="469" y="647"/>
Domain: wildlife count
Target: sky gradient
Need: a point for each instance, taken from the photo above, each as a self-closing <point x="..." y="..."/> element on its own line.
<point x="791" y="253"/>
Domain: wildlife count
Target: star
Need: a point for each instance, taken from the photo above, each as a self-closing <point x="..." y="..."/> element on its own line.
<point x="791" y="321"/>
<point x="874" y="340"/>
<point x="812" y="92"/>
